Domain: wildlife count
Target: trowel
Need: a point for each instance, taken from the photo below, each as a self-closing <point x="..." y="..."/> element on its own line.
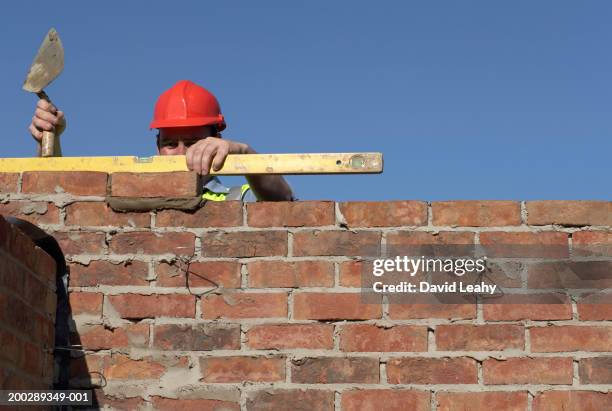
<point x="47" y="65"/>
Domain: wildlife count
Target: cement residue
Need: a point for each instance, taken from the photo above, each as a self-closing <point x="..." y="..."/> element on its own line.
<point x="35" y="208"/>
<point x="148" y="204"/>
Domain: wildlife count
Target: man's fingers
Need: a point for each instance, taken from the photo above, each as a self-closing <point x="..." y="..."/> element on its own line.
<point x="220" y="158"/>
<point x="206" y="158"/>
<point x="47" y="116"/>
<point x="42" y="124"/>
<point x="37" y="134"/>
<point x="46" y="106"/>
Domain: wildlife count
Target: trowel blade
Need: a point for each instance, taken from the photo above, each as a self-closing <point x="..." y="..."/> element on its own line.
<point x="47" y="65"/>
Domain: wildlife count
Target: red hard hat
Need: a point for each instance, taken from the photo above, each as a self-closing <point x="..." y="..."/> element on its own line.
<point x="187" y="104"/>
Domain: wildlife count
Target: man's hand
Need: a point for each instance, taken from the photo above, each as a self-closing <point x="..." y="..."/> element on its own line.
<point x="212" y="151"/>
<point x="46" y="118"/>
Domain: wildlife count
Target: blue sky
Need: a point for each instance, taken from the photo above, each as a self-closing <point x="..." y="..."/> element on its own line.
<point x="466" y="100"/>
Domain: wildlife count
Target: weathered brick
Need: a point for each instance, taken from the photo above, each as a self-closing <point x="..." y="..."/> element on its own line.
<point x="288" y="336"/>
<point x="201" y="274"/>
<point x="386" y="400"/>
<point x="8" y="182"/>
<point x="445" y="241"/>
<point x="98" y="214"/>
<point x="83" y="183"/>
<point x="570" y="338"/>
<point x="550" y="370"/>
<point x="149" y="185"/>
<point x="596" y="370"/>
<point x="569" y="213"/>
<point x="283" y="399"/>
<point x="343" y="243"/>
<point x="104" y="401"/>
<point x="536" y="307"/>
<point x="36" y="212"/>
<point x="85" y="303"/>
<point x="525" y="244"/>
<point x="121" y="367"/>
<point x="79" y="242"/>
<point x="488" y="337"/>
<point x="592" y="243"/>
<point x="104" y="272"/>
<point x="290" y="214"/>
<point x="570" y="274"/>
<point x="212" y="214"/>
<point x="476" y="213"/>
<point x="360" y="370"/>
<point x="572" y="401"/>
<point x="240" y="369"/>
<point x="370" y="337"/>
<point x="244" y="305"/>
<point x="595" y="307"/>
<point x="290" y="274"/>
<point x="352" y="271"/>
<point x="333" y="306"/>
<point x="482" y="401"/>
<point x="146" y="242"/>
<point x="384" y="213"/>
<point x="244" y="244"/>
<point x="197" y="337"/>
<point x="98" y="337"/>
<point x="433" y="310"/>
<point x="171" y="404"/>
<point x="432" y="371"/>
<point x="135" y="306"/>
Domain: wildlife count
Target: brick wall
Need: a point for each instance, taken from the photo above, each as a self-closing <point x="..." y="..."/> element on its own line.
<point x="27" y="312"/>
<point x="286" y="329"/>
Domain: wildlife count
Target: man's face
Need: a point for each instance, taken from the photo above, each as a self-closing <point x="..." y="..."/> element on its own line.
<point x="175" y="141"/>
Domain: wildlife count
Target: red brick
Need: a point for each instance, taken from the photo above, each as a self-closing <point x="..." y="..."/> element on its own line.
<point x="536" y="307"/>
<point x="282" y="399"/>
<point x="333" y="306"/>
<point x="240" y="369"/>
<point x="120" y="367"/>
<point x="433" y="310"/>
<point x="290" y="274"/>
<point x="351" y="272"/>
<point x="288" y="336"/>
<point x="149" y="185"/>
<point x="79" y="242"/>
<point x="197" y="337"/>
<point x="596" y="370"/>
<point x="570" y="338"/>
<point x="290" y="214"/>
<point x="548" y="370"/>
<point x="360" y="370"/>
<point x="488" y="337"/>
<point x="98" y="337"/>
<point x="595" y="307"/>
<point x="570" y="274"/>
<point x="84" y="183"/>
<point x="592" y="243"/>
<point x="171" y="404"/>
<point x="244" y="305"/>
<point x="102" y="400"/>
<point x="105" y="272"/>
<point x="201" y="274"/>
<point x="370" y="338"/>
<point x="98" y="214"/>
<point x="212" y="214"/>
<point x="482" y="401"/>
<point x="385" y="400"/>
<point x="34" y="212"/>
<point x="525" y="244"/>
<point x="143" y="242"/>
<point x="135" y="306"/>
<point x="572" y="401"/>
<point x="415" y="238"/>
<point x="569" y="213"/>
<point x="244" y="244"/>
<point x="341" y="243"/>
<point x="476" y="213"/>
<point x="85" y="303"/>
<point x="8" y="182"/>
<point x="432" y="371"/>
<point x="384" y="213"/>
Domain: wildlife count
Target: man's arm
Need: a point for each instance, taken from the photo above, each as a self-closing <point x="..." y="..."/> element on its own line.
<point x="212" y="151"/>
<point x="47" y="118"/>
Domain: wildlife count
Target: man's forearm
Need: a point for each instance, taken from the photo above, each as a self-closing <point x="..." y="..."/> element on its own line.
<point x="268" y="187"/>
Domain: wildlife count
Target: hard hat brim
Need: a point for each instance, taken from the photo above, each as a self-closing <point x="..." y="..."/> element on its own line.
<point x="189" y="122"/>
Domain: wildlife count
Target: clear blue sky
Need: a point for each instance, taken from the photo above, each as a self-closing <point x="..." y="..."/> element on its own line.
<point x="466" y="100"/>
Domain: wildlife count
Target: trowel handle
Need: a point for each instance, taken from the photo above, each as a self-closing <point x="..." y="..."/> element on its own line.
<point x="47" y="145"/>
